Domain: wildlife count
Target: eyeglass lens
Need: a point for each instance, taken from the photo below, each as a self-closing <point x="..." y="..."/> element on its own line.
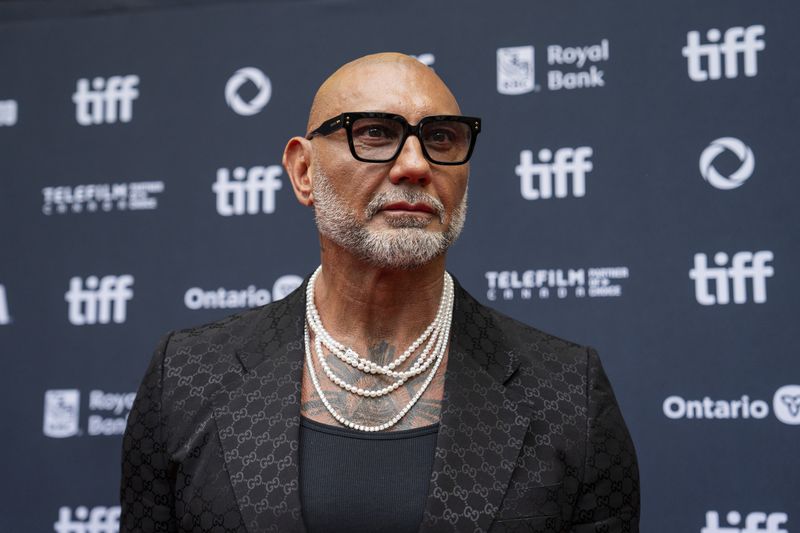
<point x="378" y="139"/>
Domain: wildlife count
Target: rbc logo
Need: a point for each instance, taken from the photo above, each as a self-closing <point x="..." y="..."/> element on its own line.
<point x="94" y="520"/>
<point x="515" y="73"/>
<point x="553" y="172"/>
<point x="737" y="40"/>
<point x="744" y="266"/>
<point x="101" y="301"/>
<point x="61" y="409"/>
<point x="250" y="191"/>
<point x="753" y="523"/>
<point x="106" y="101"/>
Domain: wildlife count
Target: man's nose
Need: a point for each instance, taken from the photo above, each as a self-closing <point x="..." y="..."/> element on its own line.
<point x="410" y="164"/>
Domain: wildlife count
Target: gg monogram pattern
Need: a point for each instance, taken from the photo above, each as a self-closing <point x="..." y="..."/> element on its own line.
<point x="531" y="437"/>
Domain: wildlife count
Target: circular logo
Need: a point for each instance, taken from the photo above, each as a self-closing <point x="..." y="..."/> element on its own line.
<point x="786" y="404"/>
<point x="284" y="285"/>
<point x="257" y="103"/>
<point x="737" y="178"/>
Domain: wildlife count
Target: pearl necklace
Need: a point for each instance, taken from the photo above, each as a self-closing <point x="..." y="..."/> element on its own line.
<point x="436" y="335"/>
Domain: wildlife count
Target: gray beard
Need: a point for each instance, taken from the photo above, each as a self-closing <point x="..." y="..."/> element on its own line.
<point x="406" y="245"/>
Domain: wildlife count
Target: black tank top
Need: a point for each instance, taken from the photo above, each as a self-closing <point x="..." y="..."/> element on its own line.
<point x="357" y="482"/>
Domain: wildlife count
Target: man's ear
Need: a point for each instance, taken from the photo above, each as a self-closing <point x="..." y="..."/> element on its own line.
<point x="296" y="161"/>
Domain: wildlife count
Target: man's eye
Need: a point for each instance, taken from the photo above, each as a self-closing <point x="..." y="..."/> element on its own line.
<point x="376" y="131"/>
<point x="440" y="136"/>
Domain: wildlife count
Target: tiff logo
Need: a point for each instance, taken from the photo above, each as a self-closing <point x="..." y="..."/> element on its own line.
<point x="744" y="266"/>
<point x="101" y="301"/>
<point x="550" y="177"/>
<point x="249" y="192"/>
<point x="106" y="101"/>
<point x="755" y="522"/>
<point x="737" y="40"/>
<point x="8" y="112"/>
<point x="85" y="520"/>
<point x="4" y="316"/>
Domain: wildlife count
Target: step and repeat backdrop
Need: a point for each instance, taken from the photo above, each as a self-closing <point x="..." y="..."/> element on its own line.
<point x="635" y="187"/>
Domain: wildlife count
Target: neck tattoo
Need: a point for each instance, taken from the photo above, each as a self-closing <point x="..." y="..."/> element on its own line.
<point x="434" y="339"/>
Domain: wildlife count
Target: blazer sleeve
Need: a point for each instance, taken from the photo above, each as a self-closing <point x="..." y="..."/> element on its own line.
<point x="146" y="495"/>
<point x="608" y="499"/>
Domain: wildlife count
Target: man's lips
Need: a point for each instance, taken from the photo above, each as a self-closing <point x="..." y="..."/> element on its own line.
<point x="405" y="206"/>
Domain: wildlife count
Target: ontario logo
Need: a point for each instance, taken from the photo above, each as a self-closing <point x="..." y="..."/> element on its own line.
<point x="785" y="407"/>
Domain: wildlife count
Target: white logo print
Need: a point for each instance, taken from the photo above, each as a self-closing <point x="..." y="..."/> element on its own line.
<point x="85" y="520"/>
<point x="553" y="173"/>
<point x="4" y="317"/>
<point x="515" y="72"/>
<point x="8" y="112"/>
<point x="426" y="59"/>
<point x="257" y="103"/>
<point x="250" y="191"/>
<point x="61" y="410"/>
<point x="755" y="522"/>
<point x="676" y="407"/>
<point x="744" y="266"/>
<point x="197" y="298"/>
<point x="132" y="196"/>
<point x="578" y="56"/>
<point x="741" y="150"/>
<point x="597" y="282"/>
<point x="738" y="40"/>
<point x="786" y="404"/>
<point x="106" y="101"/>
<point x="103" y="300"/>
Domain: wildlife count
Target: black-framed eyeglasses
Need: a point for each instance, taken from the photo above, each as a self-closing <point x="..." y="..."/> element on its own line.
<point x="378" y="137"/>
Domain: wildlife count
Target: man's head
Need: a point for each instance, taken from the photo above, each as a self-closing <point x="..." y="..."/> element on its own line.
<point x="400" y="213"/>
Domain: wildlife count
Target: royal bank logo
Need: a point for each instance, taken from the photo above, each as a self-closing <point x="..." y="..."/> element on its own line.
<point x="107" y="413"/>
<point x="98" y="300"/>
<point x="543" y="284"/>
<point x="737" y="177"/>
<point x="8" y="112"/>
<point x="708" y="61"/>
<point x="5" y="318"/>
<point x="105" y="101"/>
<point x="786" y="404"/>
<point x="102" y="197"/>
<point x="755" y="522"/>
<point x="554" y="175"/>
<point x="61" y="413"/>
<point x="198" y="298"/>
<point x="569" y="67"/>
<point x="747" y="275"/>
<point x="244" y="77"/>
<point x="88" y="520"/>
<point x="515" y="70"/>
<point x="247" y="191"/>
<point x="785" y="407"/>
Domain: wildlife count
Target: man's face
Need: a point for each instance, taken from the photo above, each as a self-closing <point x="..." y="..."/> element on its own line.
<point x="399" y="214"/>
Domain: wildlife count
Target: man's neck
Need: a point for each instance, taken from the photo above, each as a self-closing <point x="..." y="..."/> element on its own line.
<point x="363" y="305"/>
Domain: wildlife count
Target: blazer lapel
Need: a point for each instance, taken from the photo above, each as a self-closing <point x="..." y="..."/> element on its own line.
<point x="482" y="425"/>
<point x="258" y="418"/>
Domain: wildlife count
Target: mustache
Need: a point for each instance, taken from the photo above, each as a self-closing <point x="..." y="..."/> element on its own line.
<point x="403" y="195"/>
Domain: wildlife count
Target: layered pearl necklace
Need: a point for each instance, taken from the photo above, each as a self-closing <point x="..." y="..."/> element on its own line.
<point x="434" y="337"/>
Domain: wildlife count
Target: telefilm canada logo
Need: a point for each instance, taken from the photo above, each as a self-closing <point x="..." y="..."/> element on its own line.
<point x="755" y="522"/>
<point x="242" y="79"/>
<point x="569" y="67"/>
<point x="101" y="197"/>
<point x="543" y="284"/>
<point x="785" y="407"/>
<point x="733" y="179"/>
<point x="554" y="175"/>
<point x="83" y="519"/>
<point x="715" y="285"/>
<point x="710" y="60"/>
<point x="107" y="413"/>
<point x="105" y="101"/>
<point x="244" y="191"/>
<point x="198" y="298"/>
<point x="98" y="300"/>
<point x="8" y="112"/>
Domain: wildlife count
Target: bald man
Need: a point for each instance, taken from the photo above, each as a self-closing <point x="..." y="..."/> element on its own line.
<point x="379" y="396"/>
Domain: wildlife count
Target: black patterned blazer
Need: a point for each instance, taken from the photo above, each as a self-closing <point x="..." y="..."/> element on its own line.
<point x="531" y="437"/>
